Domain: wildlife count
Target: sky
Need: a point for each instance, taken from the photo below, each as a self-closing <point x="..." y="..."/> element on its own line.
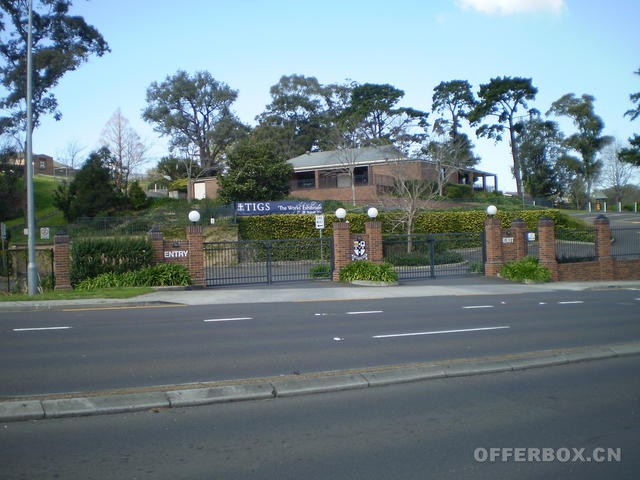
<point x="565" y="46"/>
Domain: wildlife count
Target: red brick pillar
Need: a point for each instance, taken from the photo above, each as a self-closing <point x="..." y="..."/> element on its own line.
<point x="603" y="247"/>
<point x="373" y="232"/>
<point x="341" y="248"/>
<point x="62" y="262"/>
<point x="157" y="243"/>
<point x="493" y="246"/>
<point x="519" y="232"/>
<point x="547" y="246"/>
<point x="195" y="240"/>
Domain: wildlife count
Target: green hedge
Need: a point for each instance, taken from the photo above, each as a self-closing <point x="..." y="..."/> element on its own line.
<point x="166" y="274"/>
<point x="271" y="227"/>
<point x="91" y="257"/>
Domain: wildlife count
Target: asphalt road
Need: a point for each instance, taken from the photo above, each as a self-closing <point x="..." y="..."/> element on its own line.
<point x="81" y="350"/>
<point x="579" y="421"/>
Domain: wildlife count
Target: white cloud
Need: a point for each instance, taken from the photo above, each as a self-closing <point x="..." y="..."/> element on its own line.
<point x="508" y="7"/>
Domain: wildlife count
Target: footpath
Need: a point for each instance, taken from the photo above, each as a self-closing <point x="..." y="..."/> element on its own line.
<point x="174" y="396"/>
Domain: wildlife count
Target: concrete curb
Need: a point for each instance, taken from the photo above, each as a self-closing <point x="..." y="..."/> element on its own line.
<point x="21" y="410"/>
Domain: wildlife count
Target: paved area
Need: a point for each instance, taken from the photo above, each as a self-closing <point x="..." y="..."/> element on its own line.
<point x="174" y="396"/>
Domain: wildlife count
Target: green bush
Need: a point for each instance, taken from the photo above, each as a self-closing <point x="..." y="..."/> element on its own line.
<point x="372" y="272"/>
<point x="527" y="268"/>
<point x="161" y="275"/>
<point x="94" y="256"/>
<point x="322" y="270"/>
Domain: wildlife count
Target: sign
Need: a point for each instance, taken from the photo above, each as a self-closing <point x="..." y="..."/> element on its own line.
<point x="44" y="233"/>
<point x="282" y="207"/>
<point x="176" y="254"/>
<point x="531" y="236"/>
<point x="507" y="239"/>
<point x="319" y="222"/>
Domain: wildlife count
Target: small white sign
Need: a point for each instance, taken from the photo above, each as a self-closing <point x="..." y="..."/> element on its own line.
<point x="531" y="236"/>
<point x="507" y="239"/>
<point x="44" y="233"/>
<point x="320" y="222"/>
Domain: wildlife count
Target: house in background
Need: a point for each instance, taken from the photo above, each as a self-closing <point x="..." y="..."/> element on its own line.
<point x="325" y="175"/>
<point x="43" y="165"/>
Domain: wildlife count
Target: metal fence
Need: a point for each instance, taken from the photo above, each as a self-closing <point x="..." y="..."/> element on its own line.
<point x="625" y="242"/>
<point x="435" y="255"/>
<point x="267" y="261"/>
<point x="575" y="245"/>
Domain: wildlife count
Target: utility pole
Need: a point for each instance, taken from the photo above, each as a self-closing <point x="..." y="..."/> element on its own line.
<point x="32" y="267"/>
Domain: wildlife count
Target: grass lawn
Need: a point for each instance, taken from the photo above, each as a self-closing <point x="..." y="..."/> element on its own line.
<point x="77" y="294"/>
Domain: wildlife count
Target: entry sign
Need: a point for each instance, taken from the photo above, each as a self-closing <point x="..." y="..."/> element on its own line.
<point x="320" y="222"/>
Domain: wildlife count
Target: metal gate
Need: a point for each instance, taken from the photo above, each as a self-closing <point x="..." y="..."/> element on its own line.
<point x="435" y="255"/>
<point x="267" y="261"/>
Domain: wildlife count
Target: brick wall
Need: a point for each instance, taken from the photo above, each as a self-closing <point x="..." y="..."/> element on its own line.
<point x="604" y="268"/>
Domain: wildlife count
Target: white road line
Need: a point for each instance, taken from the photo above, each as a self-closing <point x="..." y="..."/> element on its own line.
<point x="478" y="306"/>
<point x="37" y="329"/>
<point x="234" y="319"/>
<point x="365" y="312"/>
<point x="571" y="302"/>
<point x="438" y="332"/>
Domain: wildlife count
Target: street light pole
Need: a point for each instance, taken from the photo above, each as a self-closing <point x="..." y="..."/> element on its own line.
<point x="32" y="268"/>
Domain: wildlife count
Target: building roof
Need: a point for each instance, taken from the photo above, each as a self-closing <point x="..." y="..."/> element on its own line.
<point x="338" y="158"/>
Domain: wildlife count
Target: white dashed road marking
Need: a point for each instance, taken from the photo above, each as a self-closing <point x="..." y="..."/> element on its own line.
<point x="438" y="332"/>
<point x="234" y="319"/>
<point x="38" y="329"/>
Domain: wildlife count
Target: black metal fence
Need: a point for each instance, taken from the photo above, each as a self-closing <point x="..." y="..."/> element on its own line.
<point x="435" y="255"/>
<point x="267" y="261"/>
<point x="575" y="245"/>
<point x="625" y="242"/>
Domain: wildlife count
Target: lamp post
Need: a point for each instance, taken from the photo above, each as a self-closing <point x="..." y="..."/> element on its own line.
<point x="32" y="267"/>
<point x="492" y="210"/>
<point x="194" y="216"/>
<point x="341" y="213"/>
<point x="372" y="212"/>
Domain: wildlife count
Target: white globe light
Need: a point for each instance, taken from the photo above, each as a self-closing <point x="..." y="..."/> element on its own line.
<point x="341" y="213"/>
<point x="194" y="216"/>
<point x="372" y="212"/>
<point x="492" y="210"/>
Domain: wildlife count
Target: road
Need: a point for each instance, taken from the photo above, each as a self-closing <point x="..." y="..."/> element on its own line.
<point x="434" y="429"/>
<point x="104" y="349"/>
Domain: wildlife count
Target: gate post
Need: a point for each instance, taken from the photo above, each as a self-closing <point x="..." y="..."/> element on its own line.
<point x="547" y="246"/>
<point x="373" y="231"/>
<point x="492" y="236"/>
<point x="157" y="244"/>
<point x="195" y="239"/>
<point x="603" y="247"/>
<point x="519" y="232"/>
<point x="61" y="261"/>
<point x="341" y="248"/>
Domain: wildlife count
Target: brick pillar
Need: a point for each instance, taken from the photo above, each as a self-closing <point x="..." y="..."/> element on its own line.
<point x="157" y="243"/>
<point x="493" y="246"/>
<point x="62" y="262"/>
<point x="519" y="232"/>
<point x="603" y="247"/>
<point x="195" y="240"/>
<point x="373" y="232"/>
<point x="547" y="246"/>
<point x="341" y="248"/>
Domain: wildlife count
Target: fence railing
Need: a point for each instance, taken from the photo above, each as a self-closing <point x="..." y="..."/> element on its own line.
<point x="575" y="245"/>
<point x="625" y="242"/>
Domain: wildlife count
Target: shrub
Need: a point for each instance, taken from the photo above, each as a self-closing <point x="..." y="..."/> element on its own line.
<point x="527" y="268"/>
<point x="322" y="270"/>
<point x="372" y="272"/>
<point x="92" y="257"/>
<point x="166" y="274"/>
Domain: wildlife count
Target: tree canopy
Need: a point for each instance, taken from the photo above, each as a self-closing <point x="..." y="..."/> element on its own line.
<point x="254" y="172"/>
<point x="61" y="42"/>
<point x="501" y="99"/>
<point x="195" y="113"/>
